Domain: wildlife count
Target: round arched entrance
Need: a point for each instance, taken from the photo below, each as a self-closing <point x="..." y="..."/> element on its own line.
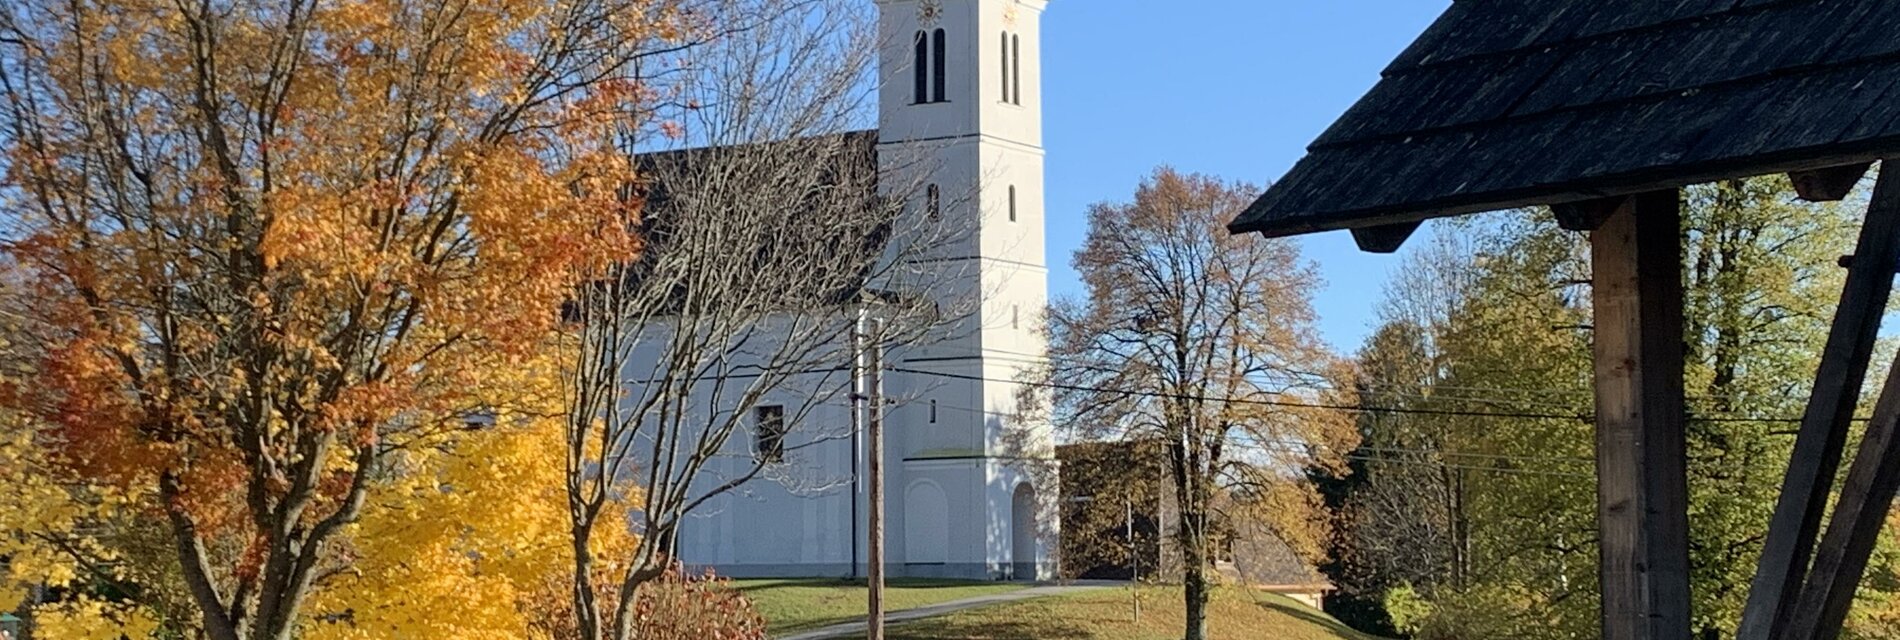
<point x="1023" y="531"/>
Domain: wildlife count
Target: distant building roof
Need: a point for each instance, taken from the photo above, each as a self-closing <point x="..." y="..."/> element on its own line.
<point x="1510" y="103"/>
<point x="1263" y="559"/>
<point x="810" y="180"/>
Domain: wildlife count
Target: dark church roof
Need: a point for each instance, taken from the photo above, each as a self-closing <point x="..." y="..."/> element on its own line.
<point x="1510" y="103"/>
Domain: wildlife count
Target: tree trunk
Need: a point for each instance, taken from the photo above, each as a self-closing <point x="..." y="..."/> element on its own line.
<point x="1192" y="533"/>
<point x="586" y="599"/>
<point x="1194" y="585"/>
<point x="34" y="594"/>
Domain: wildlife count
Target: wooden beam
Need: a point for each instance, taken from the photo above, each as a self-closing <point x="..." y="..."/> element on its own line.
<point x="1828" y="185"/>
<point x="1384" y="239"/>
<point x="1839" y="563"/>
<point x="1642" y="483"/>
<point x="1841" y="560"/>
<point x="1587" y="215"/>
<point x="1809" y="480"/>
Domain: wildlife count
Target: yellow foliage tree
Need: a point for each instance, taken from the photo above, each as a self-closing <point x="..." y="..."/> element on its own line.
<point x="471" y="545"/>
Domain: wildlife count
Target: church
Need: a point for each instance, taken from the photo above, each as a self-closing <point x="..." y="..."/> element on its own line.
<point x="961" y="78"/>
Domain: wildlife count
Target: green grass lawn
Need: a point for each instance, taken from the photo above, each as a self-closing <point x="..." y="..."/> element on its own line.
<point x="790" y="606"/>
<point x="1107" y="615"/>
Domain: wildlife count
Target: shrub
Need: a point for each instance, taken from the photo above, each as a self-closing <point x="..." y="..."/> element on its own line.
<point x="677" y="606"/>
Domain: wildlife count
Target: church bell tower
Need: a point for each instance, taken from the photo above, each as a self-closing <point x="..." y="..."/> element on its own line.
<point x="960" y="139"/>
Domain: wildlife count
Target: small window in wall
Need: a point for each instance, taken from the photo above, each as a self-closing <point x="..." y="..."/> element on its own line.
<point x="933" y="201"/>
<point x="1012" y="203"/>
<point x="938" y="64"/>
<point x="1005" y="60"/>
<point x="920" y="68"/>
<point x="1016" y="69"/>
<point x="1015" y="317"/>
<point x="769" y="427"/>
<point x="933" y="412"/>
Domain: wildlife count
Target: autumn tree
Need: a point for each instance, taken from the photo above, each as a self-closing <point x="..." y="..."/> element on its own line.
<point x="1484" y="364"/>
<point x="268" y="244"/>
<point x="56" y="574"/>
<point x="1201" y="341"/>
<point x="1396" y="515"/>
<point x="776" y="230"/>
<point x="1761" y="278"/>
<point x="466" y="542"/>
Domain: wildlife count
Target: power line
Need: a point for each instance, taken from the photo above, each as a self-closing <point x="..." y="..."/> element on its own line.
<point x="1444" y="465"/>
<point x="1504" y="470"/>
<point x="1256" y="443"/>
<point x="1331" y="407"/>
<point x="1252" y="401"/>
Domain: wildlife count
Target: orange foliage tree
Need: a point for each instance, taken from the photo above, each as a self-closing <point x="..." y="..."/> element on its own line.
<point x="269" y="244"/>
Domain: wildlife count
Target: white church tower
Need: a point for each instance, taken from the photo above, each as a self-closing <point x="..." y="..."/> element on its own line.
<point x="970" y="492"/>
<point x="960" y="115"/>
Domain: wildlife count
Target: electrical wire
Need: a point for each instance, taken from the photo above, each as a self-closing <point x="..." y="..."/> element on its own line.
<point x="1332" y="407"/>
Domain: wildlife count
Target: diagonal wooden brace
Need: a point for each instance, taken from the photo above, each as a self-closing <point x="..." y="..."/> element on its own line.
<point x="1808" y="482"/>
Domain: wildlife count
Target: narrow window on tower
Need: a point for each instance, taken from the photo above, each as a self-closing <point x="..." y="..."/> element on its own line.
<point x="1005" y="60"/>
<point x="1015" y="317"/>
<point x="933" y="202"/>
<point x="933" y="412"/>
<point x="1016" y="69"/>
<point x="1012" y="203"/>
<point x="938" y="63"/>
<point x="921" y="69"/>
<point x="769" y="428"/>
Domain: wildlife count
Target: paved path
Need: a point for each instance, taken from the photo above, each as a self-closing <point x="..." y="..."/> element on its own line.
<point x="857" y="627"/>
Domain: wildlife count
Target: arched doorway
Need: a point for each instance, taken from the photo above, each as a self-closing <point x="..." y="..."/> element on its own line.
<point x="1023" y="531"/>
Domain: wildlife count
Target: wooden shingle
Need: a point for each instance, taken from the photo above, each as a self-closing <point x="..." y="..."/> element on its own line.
<point x="1509" y="103"/>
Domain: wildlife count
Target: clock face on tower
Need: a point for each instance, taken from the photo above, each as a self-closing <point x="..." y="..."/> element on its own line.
<point x="929" y="12"/>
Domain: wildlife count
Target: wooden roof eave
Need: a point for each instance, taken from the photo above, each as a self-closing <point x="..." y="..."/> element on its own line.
<point x="1583" y="190"/>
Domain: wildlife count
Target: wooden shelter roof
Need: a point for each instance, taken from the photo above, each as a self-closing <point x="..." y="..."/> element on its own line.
<point x="1510" y="103"/>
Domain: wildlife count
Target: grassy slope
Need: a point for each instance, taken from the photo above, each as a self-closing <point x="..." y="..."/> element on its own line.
<point x="796" y="605"/>
<point x="1106" y="615"/>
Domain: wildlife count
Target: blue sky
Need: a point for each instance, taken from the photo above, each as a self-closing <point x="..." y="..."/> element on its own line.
<point x="1233" y="88"/>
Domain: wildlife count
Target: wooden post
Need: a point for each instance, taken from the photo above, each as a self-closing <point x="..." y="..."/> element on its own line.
<point x="1642" y="485"/>
<point x="1824" y="425"/>
<point x="874" y="622"/>
<point x="1868" y="495"/>
<point x="858" y="393"/>
<point x="1858" y="519"/>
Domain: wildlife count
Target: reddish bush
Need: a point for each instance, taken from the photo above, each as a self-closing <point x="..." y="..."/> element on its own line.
<point x="674" y="607"/>
<point x="704" y="607"/>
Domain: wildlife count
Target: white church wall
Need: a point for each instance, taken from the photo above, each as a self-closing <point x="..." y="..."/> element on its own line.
<point x="964" y="530"/>
<point x="1002" y="118"/>
<point x="1006" y="477"/>
<point x="953" y="441"/>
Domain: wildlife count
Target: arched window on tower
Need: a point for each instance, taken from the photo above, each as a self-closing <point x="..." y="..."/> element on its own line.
<point x="933" y="201"/>
<point x="921" y="69"/>
<point x="1012" y="203"/>
<point x="938" y="65"/>
<point x="1016" y="69"/>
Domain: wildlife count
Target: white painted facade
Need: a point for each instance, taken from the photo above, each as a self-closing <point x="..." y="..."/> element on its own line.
<point x="962" y="498"/>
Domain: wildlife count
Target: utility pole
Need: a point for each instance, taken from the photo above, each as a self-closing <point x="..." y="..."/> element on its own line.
<point x="857" y="438"/>
<point x="1134" y="556"/>
<point x="875" y="621"/>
